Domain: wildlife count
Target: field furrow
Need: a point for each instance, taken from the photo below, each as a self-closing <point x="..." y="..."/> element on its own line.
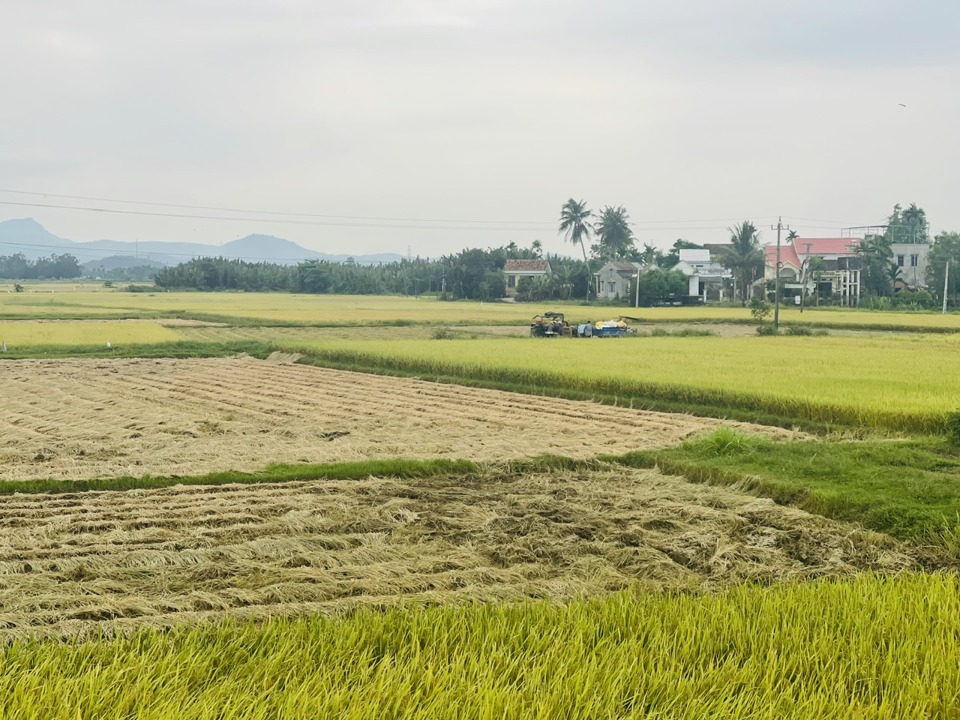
<point x="80" y="419"/>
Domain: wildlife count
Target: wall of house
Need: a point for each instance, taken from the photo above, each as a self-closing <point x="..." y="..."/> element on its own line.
<point x="912" y="258"/>
<point x="612" y="284"/>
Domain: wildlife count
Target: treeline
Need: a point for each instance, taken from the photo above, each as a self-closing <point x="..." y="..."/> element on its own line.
<point x="55" y="267"/>
<point x="474" y="274"/>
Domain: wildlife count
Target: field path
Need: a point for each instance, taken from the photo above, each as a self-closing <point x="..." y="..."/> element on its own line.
<point x="80" y="419"/>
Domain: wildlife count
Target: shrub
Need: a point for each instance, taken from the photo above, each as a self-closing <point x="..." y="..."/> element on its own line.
<point x="804" y="330"/>
<point x="759" y="308"/>
<point x="441" y="333"/>
<point x="767" y="330"/>
<point x="953" y="427"/>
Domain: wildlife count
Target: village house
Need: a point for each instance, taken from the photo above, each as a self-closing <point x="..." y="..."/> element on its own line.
<point x="515" y="270"/>
<point x="613" y="279"/>
<point x="839" y="273"/>
<point x="705" y="277"/>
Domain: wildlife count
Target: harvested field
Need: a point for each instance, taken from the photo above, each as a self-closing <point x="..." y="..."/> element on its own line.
<point x="85" y="562"/>
<point x="83" y="419"/>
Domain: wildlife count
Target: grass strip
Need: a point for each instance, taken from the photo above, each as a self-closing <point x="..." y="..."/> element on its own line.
<point x="907" y="488"/>
<point x="276" y="473"/>
<point x="868" y="648"/>
<point x="179" y="349"/>
<point x="279" y="473"/>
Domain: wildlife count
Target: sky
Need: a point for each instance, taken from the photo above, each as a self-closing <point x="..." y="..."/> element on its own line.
<point x="422" y="127"/>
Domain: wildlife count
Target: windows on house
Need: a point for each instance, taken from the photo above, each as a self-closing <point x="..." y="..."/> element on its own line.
<point x="914" y="260"/>
<point x="899" y="260"/>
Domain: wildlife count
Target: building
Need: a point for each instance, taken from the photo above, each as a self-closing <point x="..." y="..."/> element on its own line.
<point x="516" y="270"/>
<point x="911" y="261"/>
<point x="705" y="277"/>
<point x="837" y="275"/>
<point x="613" y="279"/>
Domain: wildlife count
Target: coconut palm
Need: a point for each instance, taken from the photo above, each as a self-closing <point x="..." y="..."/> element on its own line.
<point x="614" y="232"/>
<point x="744" y="257"/>
<point x="576" y="227"/>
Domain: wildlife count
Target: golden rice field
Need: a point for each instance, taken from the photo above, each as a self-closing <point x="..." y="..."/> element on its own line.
<point x="82" y="563"/>
<point x="29" y="333"/>
<point x="68" y="299"/>
<point x="870" y="649"/>
<point x="84" y="419"/>
<point x="874" y="378"/>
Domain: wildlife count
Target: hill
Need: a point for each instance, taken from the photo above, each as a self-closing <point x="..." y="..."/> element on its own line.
<point x="29" y="237"/>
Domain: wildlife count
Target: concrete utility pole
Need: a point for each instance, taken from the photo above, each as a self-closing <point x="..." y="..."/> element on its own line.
<point x="946" y="278"/>
<point x="776" y="300"/>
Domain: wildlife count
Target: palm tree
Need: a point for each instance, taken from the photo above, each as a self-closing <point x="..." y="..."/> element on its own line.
<point x="744" y="256"/>
<point x="576" y="226"/>
<point x="616" y="237"/>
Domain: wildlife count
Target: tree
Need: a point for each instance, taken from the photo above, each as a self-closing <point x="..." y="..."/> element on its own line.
<point x="878" y="265"/>
<point x="658" y="286"/>
<point x="576" y="226"/>
<point x="651" y="255"/>
<point x="814" y="267"/>
<point x="946" y="248"/>
<point x="907" y="226"/>
<point x="613" y="231"/>
<point x="744" y="257"/>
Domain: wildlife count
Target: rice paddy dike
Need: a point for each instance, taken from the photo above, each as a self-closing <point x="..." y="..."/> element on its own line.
<point x="300" y="539"/>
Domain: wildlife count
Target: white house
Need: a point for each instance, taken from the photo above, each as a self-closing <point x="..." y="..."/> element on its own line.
<point x="703" y="273"/>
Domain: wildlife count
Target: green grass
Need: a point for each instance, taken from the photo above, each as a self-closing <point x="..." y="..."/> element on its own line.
<point x="176" y="349"/>
<point x="275" y="473"/>
<point x="908" y="488"/>
<point x="867" y="648"/>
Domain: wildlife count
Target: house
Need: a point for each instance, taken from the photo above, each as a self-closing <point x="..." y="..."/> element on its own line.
<point x="838" y="274"/>
<point x="515" y="270"/>
<point x="613" y="279"/>
<point x="705" y="276"/>
<point x="911" y="261"/>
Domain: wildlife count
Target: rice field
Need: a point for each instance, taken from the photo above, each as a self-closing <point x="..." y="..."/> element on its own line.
<point x="21" y="334"/>
<point x="84" y="563"/>
<point x="495" y="592"/>
<point x="872" y="648"/>
<point x="69" y="300"/>
<point x="904" y="381"/>
<point x="84" y="419"/>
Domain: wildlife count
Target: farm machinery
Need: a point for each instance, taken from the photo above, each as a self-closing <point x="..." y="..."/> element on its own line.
<point x="550" y="324"/>
<point x="554" y="324"/>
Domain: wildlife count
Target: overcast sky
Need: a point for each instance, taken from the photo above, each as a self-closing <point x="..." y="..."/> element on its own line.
<point x="693" y="114"/>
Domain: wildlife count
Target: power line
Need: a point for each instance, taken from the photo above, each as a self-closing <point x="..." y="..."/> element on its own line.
<point x="268" y="212"/>
<point x="190" y="216"/>
<point x="540" y="225"/>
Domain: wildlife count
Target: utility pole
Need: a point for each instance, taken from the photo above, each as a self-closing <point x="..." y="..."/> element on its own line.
<point x="638" y="288"/>
<point x="946" y="278"/>
<point x="776" y="299"/>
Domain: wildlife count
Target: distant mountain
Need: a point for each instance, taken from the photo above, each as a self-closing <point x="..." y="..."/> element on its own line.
<point x="33" y="240"/>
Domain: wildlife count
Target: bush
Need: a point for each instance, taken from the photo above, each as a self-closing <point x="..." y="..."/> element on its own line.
<point x="767" y="330"/>
<point x="441" y="333"/>
<point x="759" y="308"/>
<point x="953" y="427"/>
